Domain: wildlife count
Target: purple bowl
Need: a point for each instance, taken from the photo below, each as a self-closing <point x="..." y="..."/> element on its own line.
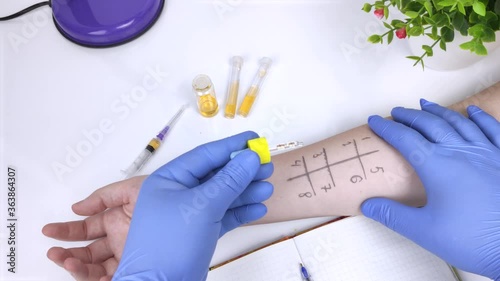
<point x="105" y="23"/>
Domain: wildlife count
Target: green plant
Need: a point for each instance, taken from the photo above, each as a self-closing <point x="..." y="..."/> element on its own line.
<point x="439" y="20"/>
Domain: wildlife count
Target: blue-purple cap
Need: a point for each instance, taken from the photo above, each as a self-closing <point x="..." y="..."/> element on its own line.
<point x="105" y="23"/>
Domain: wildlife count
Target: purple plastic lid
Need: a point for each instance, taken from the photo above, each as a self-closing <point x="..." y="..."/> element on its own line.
<point x="105" y="23"/>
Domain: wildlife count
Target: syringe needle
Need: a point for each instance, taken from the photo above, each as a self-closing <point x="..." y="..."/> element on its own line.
<point x="161" y="135"/>
<point x="152" y="146"/>
<point x="261" y="147"/>
<point x="286" y="146"/>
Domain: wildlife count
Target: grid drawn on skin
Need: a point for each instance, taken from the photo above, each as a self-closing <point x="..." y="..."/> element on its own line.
<point x="278" y="262"/>
<point x="358" y="248"/>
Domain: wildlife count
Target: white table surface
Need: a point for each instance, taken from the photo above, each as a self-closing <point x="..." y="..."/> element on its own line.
<point x="326" y="79"/>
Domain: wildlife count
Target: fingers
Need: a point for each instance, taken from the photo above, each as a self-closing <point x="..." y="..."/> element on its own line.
<point x="90" y="272"/>
<point x="88" y="229"/>
<point x="232" y="180"/>
<point x="113" y="195"/>
<point x="241" y="215"/>
<point x="81" y="271"/>
<point x="404" y="139"/>
<point x="58" y="255"/>
<point x="194" y="165"/>
<point x="432" y="127"/>
<point x="465" y="127"/>
<point x="81" y="266"/>
<point x="95" y="252"/>
<point x="256" y="192"/>
<point x="265" y="171"/>
<point x="487" y="123"/>
<point x="403" y="219"/>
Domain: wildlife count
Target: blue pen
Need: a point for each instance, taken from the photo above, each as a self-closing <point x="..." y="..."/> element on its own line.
<point x="305" y="274"/>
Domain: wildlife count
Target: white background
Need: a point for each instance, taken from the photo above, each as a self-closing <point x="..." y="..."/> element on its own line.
<point x="325" y="77"/>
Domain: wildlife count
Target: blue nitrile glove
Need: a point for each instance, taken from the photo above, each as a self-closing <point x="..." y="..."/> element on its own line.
<point x="186" y="205"/>
<point x="458" y="162"/>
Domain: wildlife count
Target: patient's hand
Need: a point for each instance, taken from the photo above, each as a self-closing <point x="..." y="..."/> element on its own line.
<point x="109" y="210"/>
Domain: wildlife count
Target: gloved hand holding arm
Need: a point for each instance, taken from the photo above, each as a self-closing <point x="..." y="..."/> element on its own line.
<point x="107" y="211"/>
<point x="458" y="161"/>
<point x="186" y="205"/>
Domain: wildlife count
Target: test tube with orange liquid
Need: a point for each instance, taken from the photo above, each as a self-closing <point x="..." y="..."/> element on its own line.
<point x="233" y="87"/>
<point x="254" y="89"/>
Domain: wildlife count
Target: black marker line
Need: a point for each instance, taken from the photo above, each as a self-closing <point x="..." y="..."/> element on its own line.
<point x="359" y="158"/>
<point x="327" y="165"/>
<point x="308" y="177"/>
<point x="333" y="164"/>
<point x="11" y="219"/>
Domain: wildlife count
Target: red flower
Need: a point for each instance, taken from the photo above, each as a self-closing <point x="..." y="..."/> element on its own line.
<point x="379" y="13"/>
<point x="401" y="33"/>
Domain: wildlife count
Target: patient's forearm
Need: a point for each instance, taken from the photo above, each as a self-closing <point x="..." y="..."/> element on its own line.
<point x="334" y="176"/>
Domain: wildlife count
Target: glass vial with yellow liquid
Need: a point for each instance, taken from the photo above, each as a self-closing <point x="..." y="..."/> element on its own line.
<point x="252" y="93"/>
<point x="205" y="94"/>
<point x="233" y="87"/>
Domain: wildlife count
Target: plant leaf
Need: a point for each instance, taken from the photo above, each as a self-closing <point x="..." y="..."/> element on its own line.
<point x="491" y="20"/>
<point x="436" y="5"/>
<point x="461" y="8"/>
<point x="375" y="39"/>
<point x="477" y="30"/>
<point x="468" y="45"/>
<point x="390" y="36"/>
<point x="428" y="50"/>
<point x="415" y="31"/>
<point x="473" y="17"/>
<point x="447" y="3"/>
<point x="432" y="36"/>
<point x="422" y="63"/>
<point x="428" y="7"/>
<point x="434" y="31"/>
<point x="447" y="34"/>
<point x="488" y="35"/>
<point x="460" y="24"/>
<point x="379" y="5"/>
<point x="395" y="23"/>
<point x="388" y="26"/>
<point x="412" y="14"/>
<point x="442" y="45"/>
<point x="429" y="20"/>
<point x="481" y="49"/>
<point x="413" y="57"/>
<point x="367" y="7"/>
<point x="453" y="7"/>
<point x="479" y="8"/>
<point x="441" y="19"/>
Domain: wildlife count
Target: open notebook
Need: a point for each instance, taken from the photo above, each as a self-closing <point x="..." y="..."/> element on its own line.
<point x="350" y="249"/>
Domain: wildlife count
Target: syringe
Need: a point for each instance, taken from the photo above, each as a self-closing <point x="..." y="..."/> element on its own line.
<point x="253" y="91"/>
<point x="261" y="147"/>
<point x="152" y="146"/>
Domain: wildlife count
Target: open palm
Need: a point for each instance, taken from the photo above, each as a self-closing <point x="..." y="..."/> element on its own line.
<point x="109" y="210"/>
